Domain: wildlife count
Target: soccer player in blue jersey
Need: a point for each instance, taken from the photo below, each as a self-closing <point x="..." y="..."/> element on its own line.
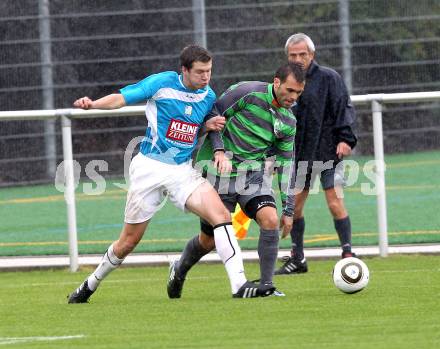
<point x="176" y="106"/>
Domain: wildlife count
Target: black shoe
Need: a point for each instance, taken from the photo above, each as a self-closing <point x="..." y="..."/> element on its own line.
<point x="175" y="283"/>
<point x="278" y="293"/>
<point x="292" y="266"/>
<point x="348" y="254"/>
<point x="253" y="290"/>
<point x="81" y="294"/>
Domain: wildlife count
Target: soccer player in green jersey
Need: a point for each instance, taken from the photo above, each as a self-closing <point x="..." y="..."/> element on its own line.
<point x="259" y="123"/>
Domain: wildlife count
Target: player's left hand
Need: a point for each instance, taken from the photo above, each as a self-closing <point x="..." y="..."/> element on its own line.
<point x="286" y="224"/>
<point x="221" y="162"/>
<point x="216" y="123"/>
<point x="343" y="149"/>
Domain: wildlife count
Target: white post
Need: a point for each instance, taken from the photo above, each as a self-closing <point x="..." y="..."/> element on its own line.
<point x="344" y="30"/>
<point x="376" y="108"/>
<point x="199" y="18"/>
<point x="69" y="193"/>
<point x="47" y="85"/>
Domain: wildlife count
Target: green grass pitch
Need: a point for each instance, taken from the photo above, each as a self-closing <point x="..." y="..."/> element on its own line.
<point x="400" y="308"/>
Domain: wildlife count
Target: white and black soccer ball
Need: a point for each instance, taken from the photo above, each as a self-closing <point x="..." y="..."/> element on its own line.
<point x="351" y="275"/>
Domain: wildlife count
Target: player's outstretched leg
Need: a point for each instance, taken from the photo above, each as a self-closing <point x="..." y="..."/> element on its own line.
<point x="130" y="236"/>
<point x="108" y="263"/>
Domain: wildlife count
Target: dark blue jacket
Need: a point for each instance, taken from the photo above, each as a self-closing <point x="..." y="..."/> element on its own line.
<point x="325" y="116"/>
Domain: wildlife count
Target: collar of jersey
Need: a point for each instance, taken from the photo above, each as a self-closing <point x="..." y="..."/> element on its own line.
<point x="272" y="100"/>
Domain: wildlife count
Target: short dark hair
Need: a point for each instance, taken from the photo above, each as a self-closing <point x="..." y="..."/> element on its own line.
<point x="194" y="53"/>
<point x="291" y="68"/>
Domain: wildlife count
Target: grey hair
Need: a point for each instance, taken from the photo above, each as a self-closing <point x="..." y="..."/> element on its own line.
<point x="300" y="37"/>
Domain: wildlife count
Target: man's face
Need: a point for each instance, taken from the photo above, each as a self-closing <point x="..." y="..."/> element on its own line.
<point x="198" y="76"/>
<point x="299" y="53"/>
<point x="288" y="91"/>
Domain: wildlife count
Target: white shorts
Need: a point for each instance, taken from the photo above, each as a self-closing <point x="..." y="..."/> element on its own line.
<point x="151" y="181"/>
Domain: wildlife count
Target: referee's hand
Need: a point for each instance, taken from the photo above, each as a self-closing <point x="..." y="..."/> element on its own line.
<point x="83" y="103"/>
<point x="342" y="150"/>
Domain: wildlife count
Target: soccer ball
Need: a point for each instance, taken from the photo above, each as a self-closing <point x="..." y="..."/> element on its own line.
<point x="351" y="275"/>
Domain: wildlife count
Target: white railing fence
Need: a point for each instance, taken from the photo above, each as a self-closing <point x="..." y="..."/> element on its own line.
<point x="376" y="101"/>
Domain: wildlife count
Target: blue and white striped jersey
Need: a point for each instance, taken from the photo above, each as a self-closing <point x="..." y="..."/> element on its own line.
<point x="174" y="114"/>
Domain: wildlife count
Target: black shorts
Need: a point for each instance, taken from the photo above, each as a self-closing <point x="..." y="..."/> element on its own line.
<point x="329" y="177"/>
<point x="251" y="191"/>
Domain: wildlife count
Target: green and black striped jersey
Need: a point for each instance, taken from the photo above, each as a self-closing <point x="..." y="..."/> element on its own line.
<point x="257" y="126"/>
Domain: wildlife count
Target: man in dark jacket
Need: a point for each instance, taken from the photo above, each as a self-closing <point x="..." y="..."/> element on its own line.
<point x="324" y="137"/>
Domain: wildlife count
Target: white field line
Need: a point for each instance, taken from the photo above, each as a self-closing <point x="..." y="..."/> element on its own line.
<point x="14" y="340"/>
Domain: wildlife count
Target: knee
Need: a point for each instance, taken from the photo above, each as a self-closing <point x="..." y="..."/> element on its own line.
<point x="221" y="216"/>
<point x="268" y="221"/>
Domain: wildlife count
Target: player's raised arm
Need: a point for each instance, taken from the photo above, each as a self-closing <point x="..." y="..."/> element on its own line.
<point x="112" y="101"/>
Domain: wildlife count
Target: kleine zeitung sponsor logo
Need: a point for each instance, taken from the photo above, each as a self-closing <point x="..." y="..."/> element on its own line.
<point x="182" y="131"/>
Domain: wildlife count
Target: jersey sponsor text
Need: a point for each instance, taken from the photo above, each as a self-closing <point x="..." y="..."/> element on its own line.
<point x="182" y="131"/>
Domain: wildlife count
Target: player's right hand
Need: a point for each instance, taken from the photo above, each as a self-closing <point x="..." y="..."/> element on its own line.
<point x="221" y="162"/>
<point x="83" y="103"/>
